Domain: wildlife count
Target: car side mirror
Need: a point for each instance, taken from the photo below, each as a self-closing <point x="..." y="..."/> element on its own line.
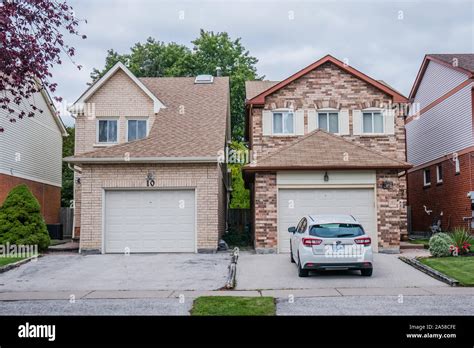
<point x="292" y="229"/>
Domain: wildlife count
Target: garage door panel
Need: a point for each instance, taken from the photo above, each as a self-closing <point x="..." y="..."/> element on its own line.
<point x="150" y="221"/>
<point x="293" y="204"/>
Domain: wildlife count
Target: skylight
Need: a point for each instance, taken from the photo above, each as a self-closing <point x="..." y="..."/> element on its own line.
<point x="204" y="79"/>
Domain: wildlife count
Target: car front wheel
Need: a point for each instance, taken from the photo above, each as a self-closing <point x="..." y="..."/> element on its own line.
<point x="366" y="272"/>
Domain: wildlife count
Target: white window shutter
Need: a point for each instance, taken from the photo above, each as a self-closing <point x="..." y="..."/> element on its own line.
<point x="312" y="120"/>
<point x="267" y="122"/>
<point x="356" y="122"/>
<point x="389" y="117"/>
<point x="344" y="122"/>
<point x="299" y="122"/>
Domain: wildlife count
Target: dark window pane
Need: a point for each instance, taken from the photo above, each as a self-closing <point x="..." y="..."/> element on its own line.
<point x="323" y="121"/>
<point x="333" y="123"/>
<point x="367" y="119"/>
<point x="112" y="131"/>
<point x="336" y="230"/>
<point x="132" y="130"/>
<point x="102" y="131"/>
<point x="141" y="129"/>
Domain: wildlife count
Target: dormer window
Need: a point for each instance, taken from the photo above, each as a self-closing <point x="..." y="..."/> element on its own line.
<point x="283" y="122"/>
<point x="136" y="129"/>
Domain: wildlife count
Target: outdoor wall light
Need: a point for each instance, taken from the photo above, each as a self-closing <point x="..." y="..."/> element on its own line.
<point x="326" y="177"/>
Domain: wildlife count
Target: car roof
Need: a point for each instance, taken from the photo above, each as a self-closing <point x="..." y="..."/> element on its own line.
<point x="332" y="218"/>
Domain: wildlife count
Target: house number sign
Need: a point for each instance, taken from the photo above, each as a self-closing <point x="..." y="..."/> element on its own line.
<point x="150" y="180"/>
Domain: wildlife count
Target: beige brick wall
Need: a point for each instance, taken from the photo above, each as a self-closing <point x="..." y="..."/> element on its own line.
<point x="204" y="178"/>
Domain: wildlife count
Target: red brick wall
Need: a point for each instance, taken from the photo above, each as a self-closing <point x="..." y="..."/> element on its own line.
<point x="265" y="211"/>
<point x="48" y="196"/>
<point x="450" y="197"/>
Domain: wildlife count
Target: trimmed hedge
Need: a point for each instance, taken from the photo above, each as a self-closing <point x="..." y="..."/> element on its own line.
<point x="21" y="222"/>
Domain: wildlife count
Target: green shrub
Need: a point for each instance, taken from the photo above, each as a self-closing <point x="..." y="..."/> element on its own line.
<point x="439" y="244"/>
<point x="21" y="222"/>
<point x="461" y="241"/>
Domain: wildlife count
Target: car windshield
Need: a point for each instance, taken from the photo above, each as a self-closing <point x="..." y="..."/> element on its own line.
<point x="336" y="230"/>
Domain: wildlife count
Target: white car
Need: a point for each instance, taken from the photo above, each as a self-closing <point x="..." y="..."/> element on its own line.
<point x="330" y="242"/>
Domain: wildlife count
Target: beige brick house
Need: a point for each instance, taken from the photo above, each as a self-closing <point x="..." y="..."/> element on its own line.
<point x="146" y="161"/>
<point x="327" y="140"/>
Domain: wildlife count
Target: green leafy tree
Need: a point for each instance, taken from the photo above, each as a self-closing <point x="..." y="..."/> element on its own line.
<point x="67" y="190"/>
<point x="240" y="196"/>
<point x="21" y="222"/>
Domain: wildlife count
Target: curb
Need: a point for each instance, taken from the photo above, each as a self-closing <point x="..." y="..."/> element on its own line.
<point x="17" y="264"/>
<point x="429" y="271"/>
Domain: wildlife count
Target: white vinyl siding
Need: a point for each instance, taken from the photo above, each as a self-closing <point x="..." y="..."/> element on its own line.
<point x="444" y="129"/>
<point x="31" y="148"/>
<point x="437" y="81"/>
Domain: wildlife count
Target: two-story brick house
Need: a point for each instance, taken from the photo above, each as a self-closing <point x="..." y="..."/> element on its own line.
<point x="147" y="175"/>
<point x="440" y="142"/>
<point x="326" y="140"/>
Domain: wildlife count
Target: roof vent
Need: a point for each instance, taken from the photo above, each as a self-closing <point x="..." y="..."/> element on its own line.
<point x="203" y="79"/>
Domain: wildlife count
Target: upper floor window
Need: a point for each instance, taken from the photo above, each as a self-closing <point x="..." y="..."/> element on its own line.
<point x="439" y="174"/>
<point x="283" y="123"/>
<point x="329" y="121"/>
<point x="136" y="129"/>
<point x="107" y="131"/>
<point x="373" y="122"/>
<point x="427" y="177"/>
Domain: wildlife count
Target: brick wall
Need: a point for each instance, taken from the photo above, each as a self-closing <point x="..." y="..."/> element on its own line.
<point x="265" y="211"/>
<point x="200" y="176"/>
<point x="328" y="86"/>
<point x="48" y="196"/>
<point x="450" y="197"/>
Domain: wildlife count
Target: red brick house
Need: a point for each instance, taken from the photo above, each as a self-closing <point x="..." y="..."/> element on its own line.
<point x="328" y="139"/>
<point x="440" y="142"/>
<point x="31" y="154"/>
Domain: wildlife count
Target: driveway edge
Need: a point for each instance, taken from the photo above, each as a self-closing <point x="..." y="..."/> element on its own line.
<point x="18" y="263"/>
<point x="429" y="271"/>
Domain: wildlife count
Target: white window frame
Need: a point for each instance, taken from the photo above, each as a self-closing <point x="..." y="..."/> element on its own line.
<point x="328" y="111"/>
<point x="283" y="112"/>
<point x="425" y="183"/>
<point x="372" y="111"/>
<point x="439" y="178"/>
<point x="136" y="119"/>
<point x="101" y="143"/>
<point x="457" y="166"/>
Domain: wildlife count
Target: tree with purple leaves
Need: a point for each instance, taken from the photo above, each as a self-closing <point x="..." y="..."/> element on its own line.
<point x="31" y="42"/>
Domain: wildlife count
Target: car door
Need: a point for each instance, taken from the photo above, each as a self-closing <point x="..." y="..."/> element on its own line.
<point x="293" y="239"/>
<point x="299" y="234"/>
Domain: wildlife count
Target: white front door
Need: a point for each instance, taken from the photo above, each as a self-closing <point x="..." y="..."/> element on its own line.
<point x="149" y="221"/>
<point x="293" y="204"/>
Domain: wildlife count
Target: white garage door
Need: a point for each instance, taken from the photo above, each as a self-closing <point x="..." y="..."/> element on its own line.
<point x="293" y="204"/>
<point x="149" y="221"/>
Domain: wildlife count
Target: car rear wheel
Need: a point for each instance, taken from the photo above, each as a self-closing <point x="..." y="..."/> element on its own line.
<point x="366" y="272"/>
<point x="302" y="272"/>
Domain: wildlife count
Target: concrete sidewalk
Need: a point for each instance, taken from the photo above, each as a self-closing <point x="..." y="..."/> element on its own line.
<point x="170" y="294"/>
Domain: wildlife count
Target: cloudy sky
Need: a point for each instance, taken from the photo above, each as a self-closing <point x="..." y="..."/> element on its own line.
<point x="384" y="39"/>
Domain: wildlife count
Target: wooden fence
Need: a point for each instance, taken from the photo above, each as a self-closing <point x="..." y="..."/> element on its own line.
<point x="66" y="218"/>
<point x="240" y="220"/>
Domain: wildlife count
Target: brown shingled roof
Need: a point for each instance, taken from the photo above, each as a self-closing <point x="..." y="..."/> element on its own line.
<point x="199" y="132"/>
<point x="464" y="60"/>
<point x="321" y="150"/>
<point x="254" y="88"/>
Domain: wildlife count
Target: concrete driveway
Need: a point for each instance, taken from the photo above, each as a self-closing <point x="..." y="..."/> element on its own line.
<point x="119" y="272"/>
<point x="275" y="272"/>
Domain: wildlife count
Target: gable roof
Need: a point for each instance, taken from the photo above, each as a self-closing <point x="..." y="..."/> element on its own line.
<point x="322" y="150"/>
<point x="157" y="104"/>
<point x="254" y="88"/>
<point x="57" y="118"/>
<point x="260" y="98"/>
<point x="192" y="127"/>
<point x="465" y="65"/>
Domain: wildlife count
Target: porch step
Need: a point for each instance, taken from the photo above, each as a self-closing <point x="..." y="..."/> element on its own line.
<point x="71" y="246"/>
<point x="407" y="245"/>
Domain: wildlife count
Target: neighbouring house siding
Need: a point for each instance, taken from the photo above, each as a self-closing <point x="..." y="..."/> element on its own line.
<point x="449" y="198"/>
<point x="31" y="148"/>
<point x="437" y="81"/>
<point x="203" y="178"/>
<point x="444" y="129"/>
<point x="328" y="86"/>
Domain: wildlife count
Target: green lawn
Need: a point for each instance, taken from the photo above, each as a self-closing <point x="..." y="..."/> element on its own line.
<point x="460" y="268"/>
<point x="425" y="242"/>
<point x="232" y="305"/>
<point x="6" y="260"/>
